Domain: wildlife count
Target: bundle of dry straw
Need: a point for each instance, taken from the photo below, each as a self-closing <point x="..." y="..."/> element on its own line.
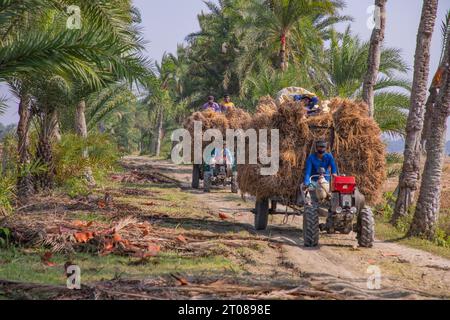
<point x="357" y="148"/>
<point x="232" y="118"/>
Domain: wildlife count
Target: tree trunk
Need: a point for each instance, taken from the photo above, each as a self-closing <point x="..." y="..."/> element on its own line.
<point x="374" y="60"/>
<point x="160" y="132"/>
<point x="429" y="105"/>
<point x="409" y="178"/>
<point x="434" y="90"/>
<point x="81" y="130"/>
<point x="428" y="205"/>
<point x="44" y="152"/>
<point x="283" y="58"/>
<point x="24" y="179"/>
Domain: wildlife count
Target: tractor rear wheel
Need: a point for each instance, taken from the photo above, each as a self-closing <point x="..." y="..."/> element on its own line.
<point x="365" y="228"/>
<point x="196" y="176"/>
<point x="261" y="214"/>
<point x="234" y="183"/>
<point x="311" y="227"/>
<point x="207" y="181"/>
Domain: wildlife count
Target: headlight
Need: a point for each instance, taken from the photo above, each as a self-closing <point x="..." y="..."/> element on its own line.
<point x="339" y="210"/>
<point x="347" y="200"/>
<point x="353" y="210"/>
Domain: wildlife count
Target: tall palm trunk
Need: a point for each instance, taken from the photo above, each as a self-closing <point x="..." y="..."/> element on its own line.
<point x="24" y="180"/>
<point x="374" y="60"/>
<point x="44" y="152"/>
<point x="409" y="178"/>
<point x="429" y="105"/>
<point x="428" y="205"/>
<point x="283" y="55"/>
<point x="160" y="132"/>
<point x="434" y="89"/>
<point x="81" y="130"/>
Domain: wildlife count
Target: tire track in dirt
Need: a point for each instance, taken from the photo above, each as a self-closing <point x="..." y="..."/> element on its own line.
<point x="337" y="265"/>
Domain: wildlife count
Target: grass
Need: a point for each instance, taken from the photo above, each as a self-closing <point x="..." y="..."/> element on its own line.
<point x="386" y="232"/>
<point x="26" y="266"/>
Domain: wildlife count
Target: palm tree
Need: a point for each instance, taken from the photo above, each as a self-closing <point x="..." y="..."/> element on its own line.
<point x="436" y="83"/>
<point x="373" y="62"/>
<point x="279" y="32"/>
<point x="159" y="99"/>
<point x="346" y="66"/>
<point x="275" y="21"/>
<point x="428" y="205"/>
<point x="409" y="177"/>
<point x="105" y="49"/>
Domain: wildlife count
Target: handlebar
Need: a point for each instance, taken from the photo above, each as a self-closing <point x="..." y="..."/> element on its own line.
<point x="318" y="176"/>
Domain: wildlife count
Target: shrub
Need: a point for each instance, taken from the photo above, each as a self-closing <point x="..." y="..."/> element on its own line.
<point x="7" y="195"/>
<point x="71" y="163"/>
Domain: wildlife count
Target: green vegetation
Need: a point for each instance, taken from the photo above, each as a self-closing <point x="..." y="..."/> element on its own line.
<point x="386" y="232"/>
<point x="26" y="266"/>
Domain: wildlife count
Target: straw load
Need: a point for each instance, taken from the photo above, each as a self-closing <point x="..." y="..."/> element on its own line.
<point x="233" y="118"/>
<point x="357" y="147"/>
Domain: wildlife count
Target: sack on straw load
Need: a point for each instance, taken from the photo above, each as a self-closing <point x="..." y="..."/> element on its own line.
<point x="358" y="148"/>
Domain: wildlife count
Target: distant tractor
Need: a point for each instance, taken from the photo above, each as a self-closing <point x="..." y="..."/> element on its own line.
<point x="215" y="172"/>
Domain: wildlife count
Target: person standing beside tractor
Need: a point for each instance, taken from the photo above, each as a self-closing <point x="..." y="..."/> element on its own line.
<point x="212" y="105"/>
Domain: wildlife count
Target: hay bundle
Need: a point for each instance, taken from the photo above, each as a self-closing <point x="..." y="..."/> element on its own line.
<point x="233" y="118"/>
<point x="358" y="148"/>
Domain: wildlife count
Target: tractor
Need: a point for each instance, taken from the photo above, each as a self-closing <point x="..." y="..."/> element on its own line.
<point x="344" y="205"/>
<point x="215" y="172"/>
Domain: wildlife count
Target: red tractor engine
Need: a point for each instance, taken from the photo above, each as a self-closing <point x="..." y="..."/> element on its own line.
<point x="344" y="204"/>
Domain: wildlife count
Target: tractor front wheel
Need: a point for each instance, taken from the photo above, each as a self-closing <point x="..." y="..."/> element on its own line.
<point x="311" y="226"/>
<point x="261" y="214"/>
<point x="365" y="228"/>
<point x="196" y="176"/>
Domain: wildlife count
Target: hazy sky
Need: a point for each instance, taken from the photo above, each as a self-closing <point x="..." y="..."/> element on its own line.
<point x="167" y="22"/>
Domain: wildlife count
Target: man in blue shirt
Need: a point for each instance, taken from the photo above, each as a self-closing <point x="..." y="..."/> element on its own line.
<point x="320" y="159"/>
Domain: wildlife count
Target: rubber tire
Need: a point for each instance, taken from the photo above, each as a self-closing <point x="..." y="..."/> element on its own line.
<point x="311" y="228"/>
<point x="234" y="183"/>
<point x="207" y="182"/>
<point x="261" y="214"/>
<point x="196" y="176"/>
<point x="366" y="228"/>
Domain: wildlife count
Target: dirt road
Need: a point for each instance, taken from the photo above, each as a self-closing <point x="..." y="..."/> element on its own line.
<point x="337" y="265"/>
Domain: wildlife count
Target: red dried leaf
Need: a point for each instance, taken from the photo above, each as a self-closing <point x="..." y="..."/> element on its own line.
<point x="117" y="237"/>
<point x="83" y="237"/>
<point x="223" y="216"/>
<point x="181" y="239"/>
<point x="101" y="204"/>
<point x="45" y="259"/>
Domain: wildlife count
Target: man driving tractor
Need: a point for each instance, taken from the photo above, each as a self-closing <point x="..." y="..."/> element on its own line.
<point x="317" y="161"/>
<point x="318" y="176"/>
